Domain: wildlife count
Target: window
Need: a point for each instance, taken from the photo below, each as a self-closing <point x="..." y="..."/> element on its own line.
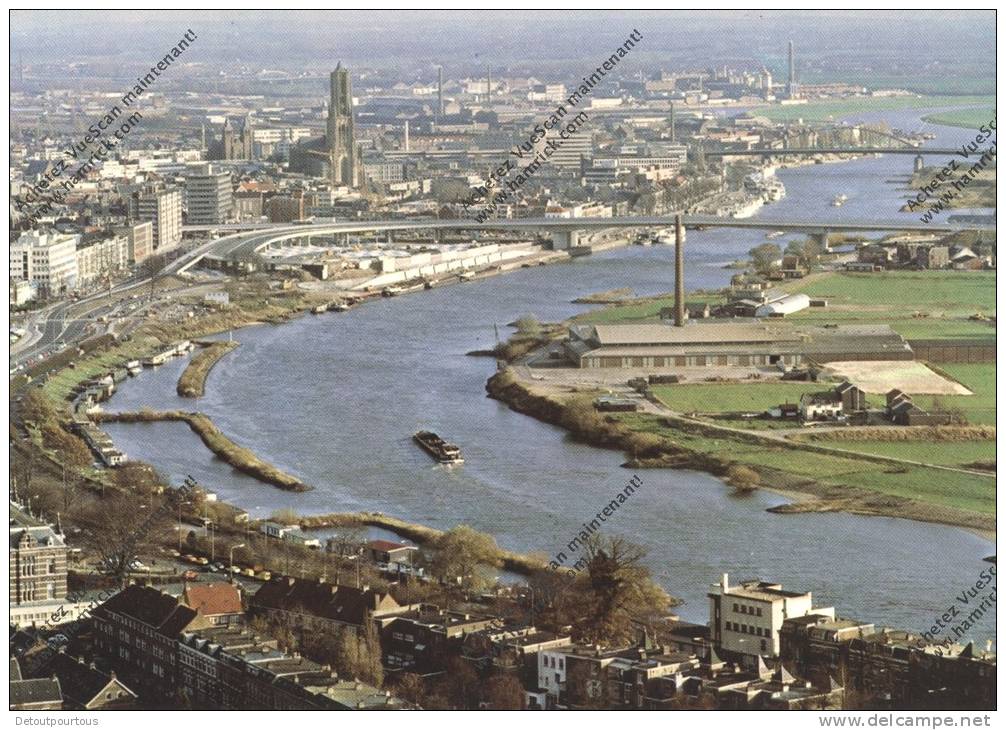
<point x="764" y="645"/>
<point x="560" y="662"/>
<point x="736" y="609"/>
<point x="758" y="611"/>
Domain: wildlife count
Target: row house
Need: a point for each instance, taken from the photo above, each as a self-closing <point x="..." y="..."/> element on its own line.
<point x="137" y="631"/>
<point x="894" y="669"/>
<point x="422" y="639"/>
<point x="310" y="605"/>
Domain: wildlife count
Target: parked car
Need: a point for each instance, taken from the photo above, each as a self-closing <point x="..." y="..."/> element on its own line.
<point x="190" y="575"/>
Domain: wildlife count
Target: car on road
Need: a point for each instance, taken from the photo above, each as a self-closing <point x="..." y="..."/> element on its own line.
<point x="190" y="575"/>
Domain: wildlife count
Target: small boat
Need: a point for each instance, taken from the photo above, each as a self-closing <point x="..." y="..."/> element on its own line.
<point x="320" y="309"/>
<point x="775" y="234"/>
<point x="839" y="200"/>
<point x="391" y="291"/>
<point x="439" y="449"/>
<point x="340" y="307"/>
<point x="133" y="367"/>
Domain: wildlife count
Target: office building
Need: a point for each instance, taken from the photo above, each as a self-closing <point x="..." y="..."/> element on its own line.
<point x="47" y="260"/>
<point x="208" y="196"/>
<point x="745" y="619"/>
<point x="163" y="208"/>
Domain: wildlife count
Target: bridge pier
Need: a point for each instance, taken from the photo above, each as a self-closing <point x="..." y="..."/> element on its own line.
<point x="919" y="164"/>
<point x="822" y="240"/>
<point x="563" y="240"/>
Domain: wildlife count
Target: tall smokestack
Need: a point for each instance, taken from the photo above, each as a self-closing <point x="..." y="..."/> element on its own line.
<point x="440" y="91"/>
<point x="679" y="272"/>
<point x="489" y="87"/>
<point x="406" y="135"/>
<point x="674" y="134"/>
<point x="791" y="89"/>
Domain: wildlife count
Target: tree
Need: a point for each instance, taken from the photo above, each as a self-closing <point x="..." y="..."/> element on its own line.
<point x="464" y="557"/>
<point x="744" y="478"/>
<point x="764" y="257"/>
<point x="504" y="692"/>
<point x="410" y="687"/>
<point x="528" y="325"/>
<point x="617" y="592"/>
<point x="807" y="252"/>
<point x="70" y="449"/>
<point x="118" y="531"/>
<point x="461" y="684"/>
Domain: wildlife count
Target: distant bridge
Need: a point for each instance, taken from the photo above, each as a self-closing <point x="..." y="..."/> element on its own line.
<point x="779" y="152"/>
<point x="565" y="231"/>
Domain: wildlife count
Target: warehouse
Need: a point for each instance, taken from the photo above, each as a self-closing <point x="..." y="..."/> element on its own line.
<point x="729" y="343"/>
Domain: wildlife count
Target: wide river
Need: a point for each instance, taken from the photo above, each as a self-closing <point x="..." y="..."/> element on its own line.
<point x="335" y="399"/>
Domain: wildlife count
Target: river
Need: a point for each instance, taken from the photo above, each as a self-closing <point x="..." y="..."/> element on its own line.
<point x="335" y="398"/>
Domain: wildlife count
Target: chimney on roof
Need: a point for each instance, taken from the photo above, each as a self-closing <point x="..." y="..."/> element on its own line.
<point x="725" y="582"/>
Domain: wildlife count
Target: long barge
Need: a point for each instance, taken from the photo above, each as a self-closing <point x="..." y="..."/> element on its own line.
<point x="439" y="449"/>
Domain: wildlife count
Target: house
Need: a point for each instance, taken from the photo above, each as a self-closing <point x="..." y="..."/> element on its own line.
<point x="136" y="630"/>
<point x="312" y="605"/>
<point x="587" y="677"/>
<point x="823" y="406"/>
<point x="38" y="569"/>
<point x="745" y="619"/>
<point x="87" y="688"/>
<point x="274" y="529"/>
<point x="423" y="639"/>
<point x="387" y="552"/>
<point x="299" y="537"/>
<point x="902" y="667"/>
<point x="33" y="694"/>
<point x="220" y="603"/>
<point x="853" y="399"/>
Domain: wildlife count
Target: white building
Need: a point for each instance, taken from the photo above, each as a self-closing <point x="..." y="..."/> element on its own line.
<point x="47" y="260"/>
<point x="208" y="195"/>
<point x="163" y="208"/>
<point x="99" y="259"/>
<point x="746" y="618"/>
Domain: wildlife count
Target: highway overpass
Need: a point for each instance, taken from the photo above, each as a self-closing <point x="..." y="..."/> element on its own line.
<point x="242" y="245"/>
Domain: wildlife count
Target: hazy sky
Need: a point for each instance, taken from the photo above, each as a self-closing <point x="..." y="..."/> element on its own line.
<point x="898" y="42"/>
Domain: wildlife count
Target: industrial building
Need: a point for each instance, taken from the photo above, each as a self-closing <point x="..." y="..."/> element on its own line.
<point x="729" y="343"/>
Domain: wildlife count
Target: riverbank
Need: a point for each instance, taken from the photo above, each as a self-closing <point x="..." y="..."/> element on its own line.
<point x="238" y="457"/>
<point x="653" y="442"/>
<point x="192" y="382"/>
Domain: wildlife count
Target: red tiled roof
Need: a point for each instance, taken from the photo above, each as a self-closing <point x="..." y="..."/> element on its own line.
<point x="213" y="599"/>
<point x="386" y="545"/>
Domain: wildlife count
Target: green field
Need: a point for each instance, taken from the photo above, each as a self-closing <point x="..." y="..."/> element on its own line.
<point x="980" y="379"/>
<point x="917" y="304"/>
<point x="949" y="453"/>
<point x="971" y="118"/>
<point x="936" y="486"/>
<point x="832" y="110"/>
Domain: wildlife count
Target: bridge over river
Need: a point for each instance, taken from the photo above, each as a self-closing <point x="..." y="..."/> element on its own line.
<point x="565" y="231"/>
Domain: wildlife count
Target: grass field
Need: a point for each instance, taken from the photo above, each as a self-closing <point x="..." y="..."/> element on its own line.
<point x="971" y="118"/>
<point x="831" y="110"/>
<point x="980" y="379"/>
<point x="936" y="486"/>
<point x="947" y="298"/>
<point x="950" y="453"/>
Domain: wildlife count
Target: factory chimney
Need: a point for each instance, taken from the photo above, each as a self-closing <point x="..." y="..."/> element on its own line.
<point x="674" y="134"/>
<point x="679" y="271"/>
<point x="489" y="87"/>
<point x="440" y="91"/>
<point x="406" y="135"/>
<point x="791" y="89"/>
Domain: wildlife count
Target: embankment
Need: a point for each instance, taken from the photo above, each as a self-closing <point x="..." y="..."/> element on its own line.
<point x="237" y="456"/>
<point x="192" y="382"/>
<point x="420" y="534"/>
<point x="579" y="417"/>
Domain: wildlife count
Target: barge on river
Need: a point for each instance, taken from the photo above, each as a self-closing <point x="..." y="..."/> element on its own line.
<point x="439" y="449"/>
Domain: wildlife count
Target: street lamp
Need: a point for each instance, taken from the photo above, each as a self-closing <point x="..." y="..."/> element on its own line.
<point x="233" y="548"/>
